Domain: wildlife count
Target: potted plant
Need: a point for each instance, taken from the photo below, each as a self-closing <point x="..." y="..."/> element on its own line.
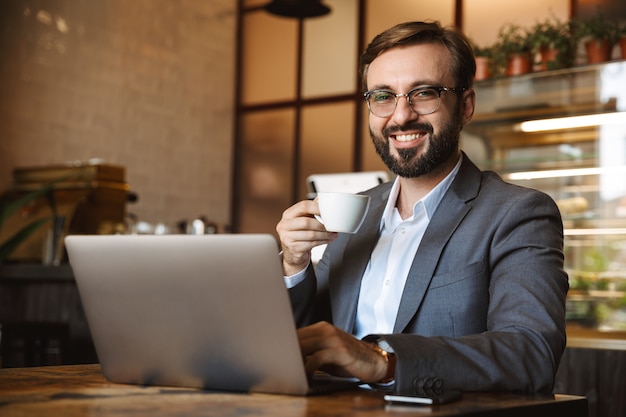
<point x="10" y="204"/>
<point x="598" y="35"/>
<point x="484" y="63"/>
<point x="512" y="51"/>
<point x="554" y="42"/>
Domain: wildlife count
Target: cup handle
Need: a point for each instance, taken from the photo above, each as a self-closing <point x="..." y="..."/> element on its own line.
<point x="318" y="218"/>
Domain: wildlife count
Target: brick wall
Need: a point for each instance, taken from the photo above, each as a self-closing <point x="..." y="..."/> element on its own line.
<point x="148" y="84"/>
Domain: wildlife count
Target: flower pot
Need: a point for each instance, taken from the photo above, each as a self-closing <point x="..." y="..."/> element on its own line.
<point x="483" y="68"/>
<point x="622" y="46"/>
<point x="548" y="58"/>
<point x="518" y="64"/>
<point x="598" y="51"/>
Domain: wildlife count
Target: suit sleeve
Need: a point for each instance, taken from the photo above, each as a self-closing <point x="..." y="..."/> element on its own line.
<point x="303" y="297"/>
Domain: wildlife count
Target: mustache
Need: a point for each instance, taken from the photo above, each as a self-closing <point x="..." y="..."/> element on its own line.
<point x="392" y="130"/>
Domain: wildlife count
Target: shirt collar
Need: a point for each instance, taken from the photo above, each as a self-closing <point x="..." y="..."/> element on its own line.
<point x="430" y="201"/>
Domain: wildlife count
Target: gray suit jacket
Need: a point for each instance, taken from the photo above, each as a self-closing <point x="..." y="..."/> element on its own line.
<point x="483" y="307"/>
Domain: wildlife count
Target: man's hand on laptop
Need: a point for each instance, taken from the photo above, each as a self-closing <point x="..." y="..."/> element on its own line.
<point x="329" y="349"/>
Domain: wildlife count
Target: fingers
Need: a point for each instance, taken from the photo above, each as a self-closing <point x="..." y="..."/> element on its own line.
<point x="299" y="218"/>
<point x="317" y="337"/>
<point x="299" y="232"/>
<point x="325" y="347"/>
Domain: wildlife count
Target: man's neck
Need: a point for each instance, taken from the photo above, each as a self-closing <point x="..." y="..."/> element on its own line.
<point x="414" y="189"/>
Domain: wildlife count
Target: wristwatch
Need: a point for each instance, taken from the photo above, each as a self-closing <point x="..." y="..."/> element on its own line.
<point x="383" y="349"/>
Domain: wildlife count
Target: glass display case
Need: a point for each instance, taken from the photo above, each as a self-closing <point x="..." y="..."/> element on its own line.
<point x="564" y="132"/>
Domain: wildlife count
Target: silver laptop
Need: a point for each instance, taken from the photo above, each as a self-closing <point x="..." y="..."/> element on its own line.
<point x="208" y="311"/>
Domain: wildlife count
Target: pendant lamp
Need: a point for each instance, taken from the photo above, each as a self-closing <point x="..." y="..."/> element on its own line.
<point x="297" y="8"/>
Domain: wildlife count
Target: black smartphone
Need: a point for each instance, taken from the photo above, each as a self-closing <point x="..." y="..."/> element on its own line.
<point x="444" y="397"/>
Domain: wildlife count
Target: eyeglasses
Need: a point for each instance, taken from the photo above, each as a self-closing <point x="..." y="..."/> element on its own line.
<point x="423" y="100"/>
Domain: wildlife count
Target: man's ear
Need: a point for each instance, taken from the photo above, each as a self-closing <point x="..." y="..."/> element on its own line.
<point x="468" y="105"/>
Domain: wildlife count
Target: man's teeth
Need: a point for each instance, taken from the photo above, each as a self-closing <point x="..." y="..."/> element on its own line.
<point x="406" y="138"/>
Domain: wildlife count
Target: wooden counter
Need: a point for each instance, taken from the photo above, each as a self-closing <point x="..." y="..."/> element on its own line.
<point x="81" y="390"/>
<point x="585" y="338"/>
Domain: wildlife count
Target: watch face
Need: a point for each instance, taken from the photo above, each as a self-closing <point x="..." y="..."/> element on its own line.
<point x="382" y="343"/>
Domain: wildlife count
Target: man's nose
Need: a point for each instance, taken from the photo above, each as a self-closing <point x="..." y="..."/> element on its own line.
<point x="404" y="111"/>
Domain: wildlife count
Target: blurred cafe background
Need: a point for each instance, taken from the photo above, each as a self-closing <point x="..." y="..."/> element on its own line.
<point x="208" y="116"/>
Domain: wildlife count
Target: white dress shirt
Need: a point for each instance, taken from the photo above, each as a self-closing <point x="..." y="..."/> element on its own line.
<point x="391" y="259"/>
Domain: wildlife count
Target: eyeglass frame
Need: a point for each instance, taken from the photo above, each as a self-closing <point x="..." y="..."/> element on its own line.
<point x="438" y="88"/>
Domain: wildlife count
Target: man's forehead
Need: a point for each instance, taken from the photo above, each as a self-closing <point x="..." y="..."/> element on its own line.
<point x="411" y="63"/>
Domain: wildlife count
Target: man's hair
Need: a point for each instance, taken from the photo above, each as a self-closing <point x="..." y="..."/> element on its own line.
<point x="413" y="33"/>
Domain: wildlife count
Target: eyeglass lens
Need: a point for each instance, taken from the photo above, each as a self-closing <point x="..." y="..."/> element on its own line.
<point x="423" y="101"/>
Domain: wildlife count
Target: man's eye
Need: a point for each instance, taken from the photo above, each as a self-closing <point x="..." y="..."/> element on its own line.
<point x="383" y="97"/>
<point x="423" y="94"/>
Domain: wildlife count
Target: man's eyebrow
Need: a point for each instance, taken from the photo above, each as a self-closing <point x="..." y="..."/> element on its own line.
<point x="413" y="85"/>
<point x="380" y="87"/>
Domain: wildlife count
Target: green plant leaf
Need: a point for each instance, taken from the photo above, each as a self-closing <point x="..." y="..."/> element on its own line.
<point x="10" y="208"/>
<point x="14" y="241"/>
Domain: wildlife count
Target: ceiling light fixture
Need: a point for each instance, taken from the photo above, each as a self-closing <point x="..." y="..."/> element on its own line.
<point x="297" y="8"/>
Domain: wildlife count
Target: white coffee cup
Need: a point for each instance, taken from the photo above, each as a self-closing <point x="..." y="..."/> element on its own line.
<point x="342" y="212"/>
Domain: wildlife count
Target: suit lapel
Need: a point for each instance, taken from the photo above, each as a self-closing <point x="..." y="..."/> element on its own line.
<point x="449" y="214"/>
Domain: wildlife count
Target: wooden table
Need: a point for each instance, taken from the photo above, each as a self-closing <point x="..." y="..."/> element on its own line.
<point x="81" y="390"/>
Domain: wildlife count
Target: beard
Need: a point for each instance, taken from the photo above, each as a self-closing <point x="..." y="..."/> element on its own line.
<point x="439" y="149"/>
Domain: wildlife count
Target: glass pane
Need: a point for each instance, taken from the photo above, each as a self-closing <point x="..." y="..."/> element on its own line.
<point x="327" y="141"/>
<point x="269" y="58"/>
<point x="483" y="18"/>
<point x="382" y="15"/>
<point x="265" y="169"/>
<point x="330" y="55"/>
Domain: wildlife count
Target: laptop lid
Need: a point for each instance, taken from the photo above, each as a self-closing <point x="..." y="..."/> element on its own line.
<point x="207" y="311"/>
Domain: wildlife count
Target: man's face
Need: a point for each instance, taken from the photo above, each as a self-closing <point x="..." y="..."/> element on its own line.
<point x="413" y="145"/>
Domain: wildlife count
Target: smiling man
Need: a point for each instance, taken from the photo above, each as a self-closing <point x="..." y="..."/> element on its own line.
<point x="455" y="280"/>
